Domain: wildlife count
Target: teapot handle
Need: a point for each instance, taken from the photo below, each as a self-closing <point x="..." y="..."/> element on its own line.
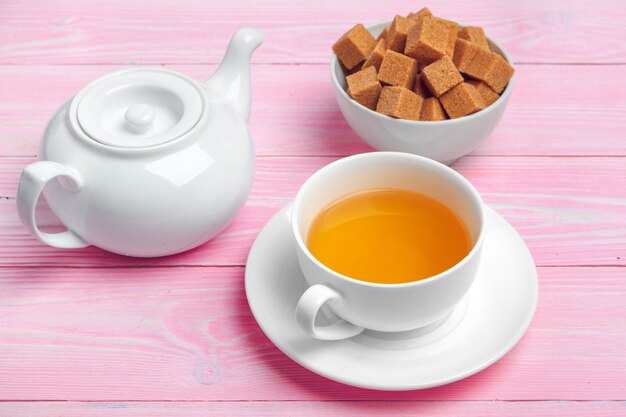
<point x="32" y="182"/>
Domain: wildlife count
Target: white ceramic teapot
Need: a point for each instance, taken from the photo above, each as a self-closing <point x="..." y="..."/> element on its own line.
<point x="147" y="162"/>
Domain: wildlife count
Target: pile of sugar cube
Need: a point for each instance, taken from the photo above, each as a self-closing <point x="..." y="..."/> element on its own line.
<point x="422" y="67"/>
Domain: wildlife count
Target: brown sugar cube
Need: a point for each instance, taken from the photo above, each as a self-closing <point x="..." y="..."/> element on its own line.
<point x="419" y="88"/>
<point x="491" y="68"/>
<point x="397" y="69"/>
<point x="453" y="30"/>
<point x="419" y="14"/>
<point x="376" y="57"/>
<point x="396" y="36"/>
<point x="364" y="88"/>
<point x="462" y="100"/>
<point x="441" y="76"/>
<point x="500" y="75"/>
<point x="489" y="96"/>
<point x="432" y="110"/>
<point x="464" y="53"/>
<point x="400" y="103"/>
<point x="474" y="35"/>
<point x="427" y="40"/>
<point x="354" y="46"/>
<point x="361" y="76"/>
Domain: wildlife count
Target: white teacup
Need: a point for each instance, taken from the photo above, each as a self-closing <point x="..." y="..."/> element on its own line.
<point x="383" y="307"/>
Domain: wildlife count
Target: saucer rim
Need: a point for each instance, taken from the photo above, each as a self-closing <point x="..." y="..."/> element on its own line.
<point x="406" y="387"/>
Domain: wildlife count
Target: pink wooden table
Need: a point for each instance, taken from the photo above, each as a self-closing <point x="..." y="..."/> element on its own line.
<point x="87" y="333"/>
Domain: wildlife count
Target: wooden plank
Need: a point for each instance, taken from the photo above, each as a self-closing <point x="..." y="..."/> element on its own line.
<point x="570" y="211"/>
<point x="118" y="31"/>
<point x="317" y="408"/>
<point x="143" y="340"/>
<point x="187" y="334"/>
<point x="554" y="110"/>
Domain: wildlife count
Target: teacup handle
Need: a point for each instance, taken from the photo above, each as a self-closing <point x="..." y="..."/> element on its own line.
<point x="34" y="178"/>
<point x="309" y="306"/>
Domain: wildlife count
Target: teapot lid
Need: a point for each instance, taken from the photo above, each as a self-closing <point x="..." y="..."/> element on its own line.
<point x="138" y="108"/>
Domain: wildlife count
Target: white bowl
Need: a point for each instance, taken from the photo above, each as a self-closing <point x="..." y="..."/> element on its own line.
<point x="444" y="141"/>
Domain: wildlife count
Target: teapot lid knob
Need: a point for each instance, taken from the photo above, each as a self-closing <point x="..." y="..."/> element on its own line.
<point x="139" y="117"/>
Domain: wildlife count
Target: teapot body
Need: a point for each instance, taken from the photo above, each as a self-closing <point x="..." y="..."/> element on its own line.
<point x="146" y="161"/>
<point x="152" y="201"/>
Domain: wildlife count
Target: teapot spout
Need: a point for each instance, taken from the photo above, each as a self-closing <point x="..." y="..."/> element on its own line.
<point x="231" y="80"/>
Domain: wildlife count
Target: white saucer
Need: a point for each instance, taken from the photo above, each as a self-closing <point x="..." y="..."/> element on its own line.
<point x="481" y="329"/>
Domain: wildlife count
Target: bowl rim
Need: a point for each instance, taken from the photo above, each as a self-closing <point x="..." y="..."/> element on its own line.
<point x="334" y="64"/>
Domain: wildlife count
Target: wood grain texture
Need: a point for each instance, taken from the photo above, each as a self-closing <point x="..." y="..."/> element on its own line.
<point x="570" y="211"/>
<point x="346" y="408"/>
<point x="118" y="31"/>
<point x="554" y="110"/>
<point x="86" y="333"/>
<point x="188" y="334"/>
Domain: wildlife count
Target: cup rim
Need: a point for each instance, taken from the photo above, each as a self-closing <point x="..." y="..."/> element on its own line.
<point x="401" y="155"/>
<point x="334" y="64"/>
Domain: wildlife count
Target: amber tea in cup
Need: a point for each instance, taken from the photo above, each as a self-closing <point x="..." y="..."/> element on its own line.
<point x="388" y="236"/>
